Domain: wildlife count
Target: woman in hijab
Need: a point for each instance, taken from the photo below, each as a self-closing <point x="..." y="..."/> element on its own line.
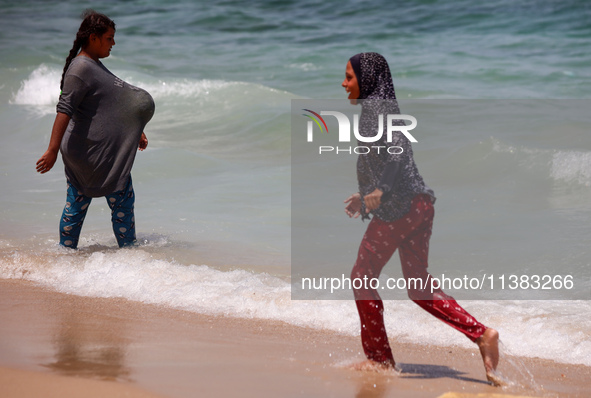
<point x="393" y="191"/>
<point x="98" y="129"/>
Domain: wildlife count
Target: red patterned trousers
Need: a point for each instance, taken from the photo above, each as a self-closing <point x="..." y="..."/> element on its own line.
<point x="410" y="235"/>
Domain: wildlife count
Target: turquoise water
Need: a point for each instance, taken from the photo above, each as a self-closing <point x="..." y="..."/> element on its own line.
<point x="214" y="189"/>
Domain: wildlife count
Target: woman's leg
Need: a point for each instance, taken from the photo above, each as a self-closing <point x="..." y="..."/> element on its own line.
<point x="73" y="217"/>
<point x="122" y="215"/>
<point x="414" y="251"/>
<point x="374" y="253"/>
<point x="379" y="243"/>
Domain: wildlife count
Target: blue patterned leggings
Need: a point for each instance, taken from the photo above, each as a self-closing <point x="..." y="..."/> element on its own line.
<point x="122" y="217"/>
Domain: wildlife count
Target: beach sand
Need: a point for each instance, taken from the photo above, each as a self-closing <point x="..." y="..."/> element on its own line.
<point x="59" y="345"/>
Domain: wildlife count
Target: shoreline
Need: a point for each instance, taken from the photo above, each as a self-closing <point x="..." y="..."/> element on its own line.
<point x="159" y="351"/>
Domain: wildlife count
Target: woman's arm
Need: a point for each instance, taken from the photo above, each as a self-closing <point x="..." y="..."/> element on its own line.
<point x="46" y="162"/>
<point x="387" y="182"/>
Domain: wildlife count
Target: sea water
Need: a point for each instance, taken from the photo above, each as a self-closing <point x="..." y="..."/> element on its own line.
<point x="214" y="186"/>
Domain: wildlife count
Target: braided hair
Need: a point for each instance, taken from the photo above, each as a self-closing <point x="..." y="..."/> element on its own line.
<point x="93" y="22"/>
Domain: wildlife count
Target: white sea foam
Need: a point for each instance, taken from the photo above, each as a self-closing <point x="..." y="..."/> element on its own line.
<point x="568" y="166"/>
<point x="306" y="66"/>
<point x="546" y="329"/>
<point x="572" y="166"/>
<point x="40" y="89"/>
<point x="190" y="89"/>
<point x="182" y="88"/>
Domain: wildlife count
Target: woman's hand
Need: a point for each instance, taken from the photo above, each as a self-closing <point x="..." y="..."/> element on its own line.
<point x="143" y="142"/>
<point x="353" y="209"/>
<point x="373" y="200"/>
<point x="46" y="162"/>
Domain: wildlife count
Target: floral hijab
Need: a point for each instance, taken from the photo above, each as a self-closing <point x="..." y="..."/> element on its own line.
<point x="373" y="76"/>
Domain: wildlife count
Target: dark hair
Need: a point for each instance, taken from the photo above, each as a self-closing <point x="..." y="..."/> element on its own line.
<point x="93" y="22"/>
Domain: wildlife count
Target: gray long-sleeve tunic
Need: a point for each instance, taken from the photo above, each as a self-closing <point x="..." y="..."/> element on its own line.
<point x="108" y="117"/>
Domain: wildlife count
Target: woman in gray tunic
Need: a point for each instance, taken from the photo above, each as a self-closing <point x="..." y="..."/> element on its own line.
<point x="98" y="129"/>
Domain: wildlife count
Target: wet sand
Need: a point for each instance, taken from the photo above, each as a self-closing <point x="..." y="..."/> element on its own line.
<point x="70" y="346"/>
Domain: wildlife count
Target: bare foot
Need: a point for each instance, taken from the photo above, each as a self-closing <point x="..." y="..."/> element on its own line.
<point x="489" y="349"/>
<point x="373" y="366"/>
